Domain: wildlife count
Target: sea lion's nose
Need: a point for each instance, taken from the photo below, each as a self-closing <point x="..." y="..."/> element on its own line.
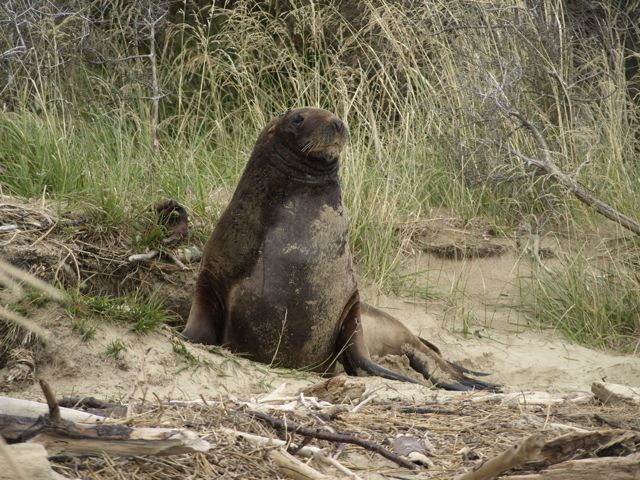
<point x="337" y="124"/>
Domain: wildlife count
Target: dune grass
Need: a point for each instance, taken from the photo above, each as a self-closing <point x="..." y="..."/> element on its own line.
<point x="425" y="91"/>
<point x="590" y="301"/>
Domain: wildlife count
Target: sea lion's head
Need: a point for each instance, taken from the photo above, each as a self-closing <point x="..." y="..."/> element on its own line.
<point x="315" y="135"/>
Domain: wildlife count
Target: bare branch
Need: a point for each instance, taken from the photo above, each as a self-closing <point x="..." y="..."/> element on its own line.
<point x="547" y="165"/>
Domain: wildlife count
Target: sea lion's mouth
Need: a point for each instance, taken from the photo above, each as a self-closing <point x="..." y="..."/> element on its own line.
<point x="328" y="152"/>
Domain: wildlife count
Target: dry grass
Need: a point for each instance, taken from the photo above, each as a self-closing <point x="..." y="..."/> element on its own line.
<point x="479" y="429"/>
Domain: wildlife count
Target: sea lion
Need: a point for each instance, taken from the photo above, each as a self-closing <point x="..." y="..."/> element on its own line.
<point x="386" y="335"/>
<point x="276" y="280"/>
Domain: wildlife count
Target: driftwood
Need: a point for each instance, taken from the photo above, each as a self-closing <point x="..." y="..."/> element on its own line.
<point x="289" y="466"/>
<point x="610" y="468"/>
<point x="68" y="437"/>
<point x="564" y="448"/>
<point x="25" y="461"/>
<point x="614" y="394"/>
<point x="557" y="457"/>
<point x="547" y="165"/>
<point x="78" y="439"/>
<point x="292" y="427"/>
<point x="533" y="398"/>
<point x="518" y="455"/>
<point x="308" y="451"/>
<point x="17" y="416"/>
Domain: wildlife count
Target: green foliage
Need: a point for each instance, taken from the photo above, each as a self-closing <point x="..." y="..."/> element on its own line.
<point x="598" y="306"/>
<point x="114" y="348"/>
<point x="425" y="87"/>
<point x="85" y="328"/>
<point x="141" y="312"/>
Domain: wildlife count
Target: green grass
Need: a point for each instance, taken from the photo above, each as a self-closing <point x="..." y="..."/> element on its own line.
<point x="84" y="327"/>
<point x="424" y="91"/>
<point x="142" y="313"/>
<point x="597" y="305"/>
<point x="114" y="348"/>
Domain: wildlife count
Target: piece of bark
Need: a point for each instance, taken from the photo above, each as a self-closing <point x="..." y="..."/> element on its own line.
<point x="614" y="394"/>
<point x="567" y="447"/>
<point x="32" y="460"/>
<point x="290" y="467"/>
<point x="91" y="439"/>
<point x="517" y="455"/>
<point x="610" y="468"/>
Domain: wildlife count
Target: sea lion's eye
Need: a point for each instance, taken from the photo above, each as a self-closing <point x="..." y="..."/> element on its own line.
<point x="298" y="120"/>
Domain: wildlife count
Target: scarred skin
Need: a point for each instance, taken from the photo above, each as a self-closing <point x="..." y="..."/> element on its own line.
<point x="276" y="281"/>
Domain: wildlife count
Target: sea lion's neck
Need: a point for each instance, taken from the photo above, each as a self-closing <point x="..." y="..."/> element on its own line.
<point x="299" y="168"/>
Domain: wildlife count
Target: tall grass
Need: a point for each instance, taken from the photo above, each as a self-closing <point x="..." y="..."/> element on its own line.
<point x="423" y="90"/>
<point x="591" y="302"/>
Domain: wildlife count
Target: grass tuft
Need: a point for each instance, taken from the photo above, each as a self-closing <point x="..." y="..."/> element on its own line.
<point x="140" y="312"/>
<point x="590" y="304"/>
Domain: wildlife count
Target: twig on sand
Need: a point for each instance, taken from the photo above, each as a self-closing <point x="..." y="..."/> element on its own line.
<point x="309" y="451"/>
<point x="291" y="467"/>
<point x="331" y="437"/>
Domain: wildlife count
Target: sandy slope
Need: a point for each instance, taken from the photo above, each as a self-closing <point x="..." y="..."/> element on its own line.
<point x="475" y="297"/>
<point x="519" y="357"/>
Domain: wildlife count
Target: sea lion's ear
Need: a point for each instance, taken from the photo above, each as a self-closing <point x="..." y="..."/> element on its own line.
<point x="272" y="128"/>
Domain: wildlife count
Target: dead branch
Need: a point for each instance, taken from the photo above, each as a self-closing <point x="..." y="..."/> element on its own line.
<point x="564" y="447"/>
<point x="22" y="420"/>
<point x="305" y="450"/>
<point x="547" y="165"/>
<point x="337" y="437"/>
<point x="518" y="455"/>
<point x="613" y="394"/>
<point x="54" y="408"/>
<point x="98" y="439"/>
<point x="291" y="467"/>
<point x="611" y="468"/>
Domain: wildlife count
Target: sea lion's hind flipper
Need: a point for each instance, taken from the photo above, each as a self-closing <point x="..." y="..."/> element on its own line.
<point x="206" y="318"/>
<point x="459" y="368"/>
<point x="418" y="361"/>
<point x="462" y="369"/>
<point x="420" y="366"/>
<point x="355" y="354"/>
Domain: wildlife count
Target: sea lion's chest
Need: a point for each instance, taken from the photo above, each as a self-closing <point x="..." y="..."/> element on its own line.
<point x="292" y="300"/>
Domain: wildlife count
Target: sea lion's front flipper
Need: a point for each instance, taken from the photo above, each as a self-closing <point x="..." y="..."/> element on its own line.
<point x="206" y="318"/>
<point x="355" y="355"/>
